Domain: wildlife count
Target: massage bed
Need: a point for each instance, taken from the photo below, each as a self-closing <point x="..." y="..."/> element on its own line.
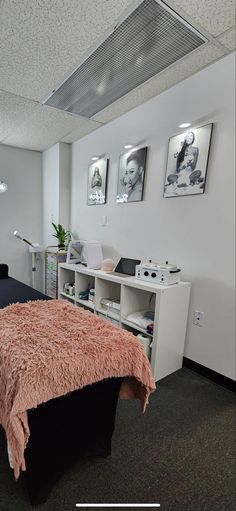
<point x="12" y="291"/>
<point x="71" y="425"/>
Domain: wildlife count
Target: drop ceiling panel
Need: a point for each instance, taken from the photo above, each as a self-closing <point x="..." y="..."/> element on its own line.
<point x="13" y="111"/>
<point x="43" y="41"/>
<point x="215" y="16"/>
<point x="177" y="72"/>
<point x="149" y="40"/>
<point x="46" y="127"/>
<point x="228" y="39"/>
<point x="80" y="132"/>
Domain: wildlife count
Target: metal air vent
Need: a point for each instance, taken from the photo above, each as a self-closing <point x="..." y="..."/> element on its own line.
<point x="149" y="40"/>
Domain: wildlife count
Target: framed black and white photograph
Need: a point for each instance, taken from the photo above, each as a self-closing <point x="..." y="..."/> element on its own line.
<point x="131" y="175"/>
<point x="97" y="182"/>
<point x="187" y="162"/>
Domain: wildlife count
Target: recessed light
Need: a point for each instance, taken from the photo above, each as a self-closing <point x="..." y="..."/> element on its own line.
<point x="185" y="125"/>
<point x="94" y="158"/>
<point x="3" y="187"/>
<point x="128" y="146"/>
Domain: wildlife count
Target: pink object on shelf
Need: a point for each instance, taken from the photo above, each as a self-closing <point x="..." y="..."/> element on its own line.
<point x="108" y="265"/>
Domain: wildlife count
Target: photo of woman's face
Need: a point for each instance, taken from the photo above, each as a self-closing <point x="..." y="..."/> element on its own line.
<point x="189" y="138"/>
<point x="131" y="174"/>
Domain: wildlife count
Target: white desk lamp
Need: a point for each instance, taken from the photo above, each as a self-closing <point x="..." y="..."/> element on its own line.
<point x="34" y="248"/>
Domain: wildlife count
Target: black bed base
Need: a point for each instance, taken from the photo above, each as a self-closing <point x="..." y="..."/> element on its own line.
<point x="67" y="428"/>
<point x="12" y="291"/>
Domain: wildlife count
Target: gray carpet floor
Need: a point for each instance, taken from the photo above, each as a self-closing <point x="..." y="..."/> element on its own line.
<point x="180" y="453"/>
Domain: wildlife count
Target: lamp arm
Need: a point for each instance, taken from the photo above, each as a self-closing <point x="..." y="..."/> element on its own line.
<point x="26" y="241"/>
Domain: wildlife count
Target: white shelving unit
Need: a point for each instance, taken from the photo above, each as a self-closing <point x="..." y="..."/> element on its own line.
<point x="169" y="305"/>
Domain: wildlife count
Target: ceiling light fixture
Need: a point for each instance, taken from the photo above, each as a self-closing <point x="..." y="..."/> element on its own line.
<point x="95" y="158"/>
<point x="185" y="125"/>
<point x="3" y="187"/>
<point x="128" y="146"/>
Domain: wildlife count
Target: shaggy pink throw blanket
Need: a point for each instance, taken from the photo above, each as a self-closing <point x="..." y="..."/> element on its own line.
<point x="51" y="348"/>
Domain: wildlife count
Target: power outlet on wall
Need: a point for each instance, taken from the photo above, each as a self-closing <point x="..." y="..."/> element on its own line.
<point x="198" y="318"/>
<point x="104" y="221"/>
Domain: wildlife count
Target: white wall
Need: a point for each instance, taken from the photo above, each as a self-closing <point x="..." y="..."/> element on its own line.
<point x="196" y="232"/>
<point x="50" y="168"/>
<point x="20" y="209"/>
<point x="56" y="190"/>
<point x="64" y="184"/>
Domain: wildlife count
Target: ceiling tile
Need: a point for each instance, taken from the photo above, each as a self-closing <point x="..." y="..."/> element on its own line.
<point x="174" y="74"/>
<point x="215" y="16"/>
<point x="228" y="39"/>
<point x="43" y="41"/>
<point x="13" y="111"/>
<point x="82" y="131"/>
<point x="46" y="127"/>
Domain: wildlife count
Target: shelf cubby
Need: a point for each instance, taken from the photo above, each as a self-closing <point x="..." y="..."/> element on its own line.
<point x="82" y="282"/>
<point x="135" y="300"/>
<point x="65" y="276"/>
<point x="110" y="291"/>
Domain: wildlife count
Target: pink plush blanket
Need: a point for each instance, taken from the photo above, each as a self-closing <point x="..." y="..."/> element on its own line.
<point x="51" y="348"/>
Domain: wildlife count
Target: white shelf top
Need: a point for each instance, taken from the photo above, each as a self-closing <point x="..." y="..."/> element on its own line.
<point x="135" y="327"/>
<point x="70" y="297"/>
<point x="109" y="314"/>
<point x="87" y="303"/>
<point x="127" y="281"/>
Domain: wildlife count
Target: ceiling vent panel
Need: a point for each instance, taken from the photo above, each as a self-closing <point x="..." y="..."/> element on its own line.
<point x="148" y="41"/>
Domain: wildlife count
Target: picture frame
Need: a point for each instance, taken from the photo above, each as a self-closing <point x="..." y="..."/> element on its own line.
<point x="97" y="182"/>
<point x="187" y="162"/>
<point x="131" y="175"/>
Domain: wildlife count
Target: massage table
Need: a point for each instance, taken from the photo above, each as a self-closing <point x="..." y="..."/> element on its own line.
<point x="66" y="428"/>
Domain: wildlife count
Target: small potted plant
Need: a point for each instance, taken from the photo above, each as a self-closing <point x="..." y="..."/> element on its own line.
<point x="62" y="236"/>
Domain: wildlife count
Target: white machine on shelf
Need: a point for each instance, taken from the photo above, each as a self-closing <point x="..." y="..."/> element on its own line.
<point x="159" y="273"/>
<point x="88" y="253"/>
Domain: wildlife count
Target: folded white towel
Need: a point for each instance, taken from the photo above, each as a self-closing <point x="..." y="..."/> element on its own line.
<point x="138" y="319"/>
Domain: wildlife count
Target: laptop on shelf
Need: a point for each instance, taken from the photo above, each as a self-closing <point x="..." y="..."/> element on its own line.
<point x="125" y="267"/>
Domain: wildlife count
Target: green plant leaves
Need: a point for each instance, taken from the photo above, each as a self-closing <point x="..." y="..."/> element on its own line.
<point x="63" y="236"/>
